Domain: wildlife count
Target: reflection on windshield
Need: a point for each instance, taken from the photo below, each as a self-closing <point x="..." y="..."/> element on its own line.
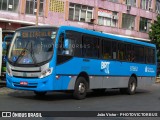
<point x="32" y="47"/>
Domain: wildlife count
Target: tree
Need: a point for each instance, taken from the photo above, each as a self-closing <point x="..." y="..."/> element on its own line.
<point x="154" y="35"/>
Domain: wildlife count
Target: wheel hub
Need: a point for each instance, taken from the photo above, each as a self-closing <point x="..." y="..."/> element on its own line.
<point x="81" y="88"/>
<point x="132" y="86"/>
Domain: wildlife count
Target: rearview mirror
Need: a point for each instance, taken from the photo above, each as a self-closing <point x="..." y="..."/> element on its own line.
<point x="66" y="44"/>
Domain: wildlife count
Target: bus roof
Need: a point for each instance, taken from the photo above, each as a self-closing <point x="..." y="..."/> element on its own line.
<point x="34" y="27"/>
<point x="107" y="35"/>
<point x="134" y="38"/>
<point x="97" y="33"/>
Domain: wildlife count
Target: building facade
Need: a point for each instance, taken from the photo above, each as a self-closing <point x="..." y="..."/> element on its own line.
<point x="123" y="17"/>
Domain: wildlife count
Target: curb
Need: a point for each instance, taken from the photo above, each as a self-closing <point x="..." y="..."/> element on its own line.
<point x="4" y="90"/>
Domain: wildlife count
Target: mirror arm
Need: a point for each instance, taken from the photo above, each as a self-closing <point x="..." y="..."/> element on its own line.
<point x="64" y="32"/>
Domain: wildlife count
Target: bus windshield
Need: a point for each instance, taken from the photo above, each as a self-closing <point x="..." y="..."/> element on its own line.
<point x="32" y="46"/>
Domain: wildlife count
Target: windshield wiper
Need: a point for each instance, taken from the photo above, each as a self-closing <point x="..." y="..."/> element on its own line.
<point x="32" y="55"/>
<point x="21" y="55"/>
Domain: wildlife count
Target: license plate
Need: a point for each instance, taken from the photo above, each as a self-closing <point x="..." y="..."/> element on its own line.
<point x="23" y="83"/>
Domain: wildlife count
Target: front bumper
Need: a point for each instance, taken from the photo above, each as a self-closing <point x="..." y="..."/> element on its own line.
<point x="34" y="84"/>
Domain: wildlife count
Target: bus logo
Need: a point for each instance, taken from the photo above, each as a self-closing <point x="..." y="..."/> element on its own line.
<point x="148" y="69"/>
<point x="105" y="67"/>
<point x="134" y="68"/>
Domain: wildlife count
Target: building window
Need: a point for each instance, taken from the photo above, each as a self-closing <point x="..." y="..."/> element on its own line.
<point x="113" y="1"/>
<point x="81" y="13"/>
<point x="146" y="4"/>
<point x="31" y="7"/>
<point x="145" y="25"/>
<point x="107" y="18"/>
<point x="9" y="5"/>
<point x="128" y="21"/>
<point x="131" y="2"/>
<point x="57" y="6"/>
<point x="158" y="6"/>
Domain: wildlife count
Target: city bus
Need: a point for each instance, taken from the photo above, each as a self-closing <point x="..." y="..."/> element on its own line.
<point x="6" y="40"/>
<point x="66" y="58"/>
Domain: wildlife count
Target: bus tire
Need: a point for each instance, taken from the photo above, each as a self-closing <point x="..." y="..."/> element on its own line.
<point x="40" y="93"/>
<point x="131" y="89"/>
<point x="80" y="89"/>
<point x="132" y="84"/>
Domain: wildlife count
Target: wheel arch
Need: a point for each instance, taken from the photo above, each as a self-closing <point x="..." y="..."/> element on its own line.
<point x="85" y="75"/>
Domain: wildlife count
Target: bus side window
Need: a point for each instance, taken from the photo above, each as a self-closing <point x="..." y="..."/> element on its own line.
<point x="129" y="53"/>
<point x="106" y="49"/>
<point x="152" y="56"/>
<point x="149" y="55"/>
<point x="139" y="54"/>
<point x="121" y="51"/>
<point x="90" y="46"/>
<point x="61" y="45"/>
<point x="75" y="40"/>
<point x="114" y="50"/>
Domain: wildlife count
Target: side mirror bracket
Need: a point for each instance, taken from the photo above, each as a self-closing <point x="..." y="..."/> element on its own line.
<point x="66" y="44"/>
<point x="4" y="45"/>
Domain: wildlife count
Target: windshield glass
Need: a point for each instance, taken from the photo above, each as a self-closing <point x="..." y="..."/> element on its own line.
<point x="32" y="46"/>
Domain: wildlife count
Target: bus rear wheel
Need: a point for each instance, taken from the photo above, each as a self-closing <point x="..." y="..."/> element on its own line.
<point x="132" y="84"/>
<point x="131" y="89"/>
<point x="39" y="93"/>
<point x="80" y="90"/>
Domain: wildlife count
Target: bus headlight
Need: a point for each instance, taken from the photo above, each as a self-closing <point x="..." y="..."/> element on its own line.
<point x="9" y="71"/>
<point x="46" y="73"/>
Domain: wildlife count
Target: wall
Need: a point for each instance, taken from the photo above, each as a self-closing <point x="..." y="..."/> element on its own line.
<point x="61" y="18"/>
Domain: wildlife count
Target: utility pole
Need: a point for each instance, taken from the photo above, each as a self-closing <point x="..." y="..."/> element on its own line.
<point x="37" y="12"/>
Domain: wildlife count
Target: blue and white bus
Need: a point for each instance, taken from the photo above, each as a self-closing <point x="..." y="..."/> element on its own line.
<point x="43" y="59"/>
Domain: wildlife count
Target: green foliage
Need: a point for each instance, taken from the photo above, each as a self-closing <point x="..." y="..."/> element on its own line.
<point x="154" y="34"/>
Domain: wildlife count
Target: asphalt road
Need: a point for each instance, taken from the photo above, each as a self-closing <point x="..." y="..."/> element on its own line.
<point x="144" y="100"/>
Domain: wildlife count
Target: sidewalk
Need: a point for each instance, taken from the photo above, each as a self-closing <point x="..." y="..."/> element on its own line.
<point x="158" y="80"/>
<point x="5" y="90"/>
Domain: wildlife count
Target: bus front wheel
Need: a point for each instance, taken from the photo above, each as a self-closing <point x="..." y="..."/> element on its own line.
<point x="80" y="90"/>
<point x="132" y="84"/>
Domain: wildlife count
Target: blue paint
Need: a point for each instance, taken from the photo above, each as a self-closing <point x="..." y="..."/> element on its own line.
<point x="95" y="67"/>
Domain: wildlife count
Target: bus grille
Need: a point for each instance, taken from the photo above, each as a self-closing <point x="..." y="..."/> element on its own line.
<point x="24" y="77"/>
